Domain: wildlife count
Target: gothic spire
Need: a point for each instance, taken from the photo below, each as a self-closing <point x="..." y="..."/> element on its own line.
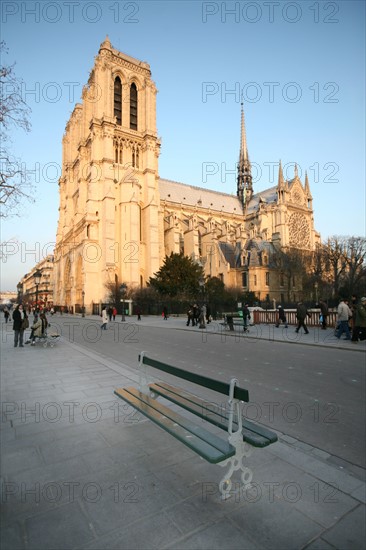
<point x="244" y="188"/>
<point x="307" y="186"/>
<point x="280" y="177"/>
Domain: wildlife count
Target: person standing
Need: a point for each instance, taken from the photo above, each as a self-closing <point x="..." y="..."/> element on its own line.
<point x="202" y="316"/>
<point x="359" y="329"/>
<point x="301" y="313"/>
<point x="246" y="317"/>
<point x="344" y="314"/>
<point x="104" y="319"/>
<point x="114" y="313"/>
<point x="138" y="312"/>
<point x="324" y="313"/>
<point x="165" y="313"/>
<point x="6" y="314"/>
<point x="20" y="323"/>
<point x="281" y="317"/>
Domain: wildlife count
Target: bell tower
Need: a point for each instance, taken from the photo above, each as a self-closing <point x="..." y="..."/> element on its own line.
<point x="108" y="229"/>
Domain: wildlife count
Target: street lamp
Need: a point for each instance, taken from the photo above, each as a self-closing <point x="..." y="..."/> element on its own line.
<point x="316" y="286"/>
<point x="82" y="305"/>
<point x="37" y="279"/>
<point x="19" y="289"/>
<point x="123" y="289"/>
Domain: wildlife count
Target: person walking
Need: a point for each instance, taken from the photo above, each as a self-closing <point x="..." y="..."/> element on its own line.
<point x="281" y="317"/>
<point x="6" y="314"/>
<point x="344" y="314"/>
<point x="104" y="319"/>
<point x="114" y="313"/>
<point x="246" y="317"/>
<point x="359" y="329"/>
<point x="20" y="323"/>
<point x="202" y="316"/>
<point x="301" y="313"/>
<point x="324" y="313"/>
<point x="138" y="312"/>
<point x="165" y="313"/>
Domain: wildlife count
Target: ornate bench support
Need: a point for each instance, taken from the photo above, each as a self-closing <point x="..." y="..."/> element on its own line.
<point x="243" y="449"/>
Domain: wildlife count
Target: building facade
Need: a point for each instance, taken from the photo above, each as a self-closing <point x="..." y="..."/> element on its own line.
<point x="118" y="219"/>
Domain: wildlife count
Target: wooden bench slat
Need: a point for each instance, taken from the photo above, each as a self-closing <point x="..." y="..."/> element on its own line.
<point x="252" y="433"/>
<point x="203" y="442"/>
<point x="215" y="385"/>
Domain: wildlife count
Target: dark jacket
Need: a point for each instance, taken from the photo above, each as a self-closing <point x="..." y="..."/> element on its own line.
<point x="323" y="308"/>
<point x="281" y="314"/>
<point x="17" y="319"/>
<point x="301" y="312"/>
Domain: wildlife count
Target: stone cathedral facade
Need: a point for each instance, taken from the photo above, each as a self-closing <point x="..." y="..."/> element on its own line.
<point x="118" y="219"/>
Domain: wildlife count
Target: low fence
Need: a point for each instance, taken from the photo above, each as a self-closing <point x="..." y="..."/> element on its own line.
<point x="270" y="317"/>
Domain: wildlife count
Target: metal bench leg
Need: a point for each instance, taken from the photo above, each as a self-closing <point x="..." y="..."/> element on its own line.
<point x="236" y="462"/>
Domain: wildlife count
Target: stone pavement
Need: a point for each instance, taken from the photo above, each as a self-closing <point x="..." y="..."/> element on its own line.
<point x="81" y="470"/>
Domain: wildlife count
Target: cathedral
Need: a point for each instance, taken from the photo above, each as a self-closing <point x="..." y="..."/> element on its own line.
<point x="118" y="219"/>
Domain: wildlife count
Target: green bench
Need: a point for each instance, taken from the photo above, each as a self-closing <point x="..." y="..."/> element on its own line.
<point x="240" y="435"/>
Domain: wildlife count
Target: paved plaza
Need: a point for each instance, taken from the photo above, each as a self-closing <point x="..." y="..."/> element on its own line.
<point x="81" y="470"/>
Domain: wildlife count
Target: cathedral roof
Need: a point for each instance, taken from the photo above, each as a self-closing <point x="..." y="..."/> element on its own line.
<point x="181" y="193"/>
<point x="266" y="196"/>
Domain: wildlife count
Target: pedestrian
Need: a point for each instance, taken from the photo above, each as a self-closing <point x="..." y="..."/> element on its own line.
<point x="138" y="312"/>
<point x="281" y="317"/>
<point x="344" y="314"/>
<point x="190" y="315"/>
<point x="20" y="323"/>
<point x="202" y="316"/>
<point x="114" y="313"/>
<point x="353" y="307"/>
<point x="323" y="314"/>
<point x="208" y="314"/>
<point x="301" y="313"/>
<point x="196" y="314"/>
<point x="165" y="313"/>
<point x="6" y="314"/>
<point x="110" y="313"/>
<point x="104" y="319"/>
<point x="359" y="330"/>
<point x="246" y="317"/>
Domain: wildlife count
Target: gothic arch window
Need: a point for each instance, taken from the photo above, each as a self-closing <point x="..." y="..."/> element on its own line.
<point x="133" y="106"/>
<point x="118" y="151"/>
<point x="118" y="99"/>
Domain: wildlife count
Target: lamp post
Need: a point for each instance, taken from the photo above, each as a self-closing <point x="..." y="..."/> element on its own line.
<point x="316" y="286"/>
<point x="37" y="279"/>
<point x="123" y="289"/>
<point x="82" y="305"/>
<point x="19" y="289"/>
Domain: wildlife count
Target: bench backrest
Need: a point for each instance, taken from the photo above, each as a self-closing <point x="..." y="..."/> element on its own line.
<point x="216" y="385"/>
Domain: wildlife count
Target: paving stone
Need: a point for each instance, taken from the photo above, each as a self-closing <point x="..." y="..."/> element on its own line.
<point x="276" y="524"/>
<point x="11" y="538"/>
<point x="62" y="528"/>
<point x="360" y="493"/>
<point x="320" y="544"/>
<point x="216" y="537"/>
<point x="20" y="459"/>
<point x="350" y="532"/>
<point x="69" y="447"/>
<point x="136" y="498"/>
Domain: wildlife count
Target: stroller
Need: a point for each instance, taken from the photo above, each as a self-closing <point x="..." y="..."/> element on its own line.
<point x="48" y="339"/>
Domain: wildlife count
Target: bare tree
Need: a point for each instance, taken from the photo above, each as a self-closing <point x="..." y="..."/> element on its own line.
<point x="335" y="261"/>
<point x="355" y="255"/>
<point x="15" y="184"/>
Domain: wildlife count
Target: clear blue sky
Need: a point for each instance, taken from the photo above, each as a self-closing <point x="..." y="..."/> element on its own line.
<point x="300" y="67"/>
